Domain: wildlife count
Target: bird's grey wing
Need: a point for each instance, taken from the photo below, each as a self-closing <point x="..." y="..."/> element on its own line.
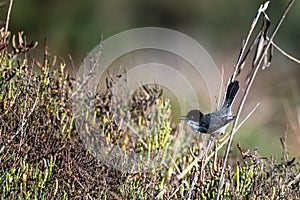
<point x="204" y="124"/>
<point x="217" y="123"/>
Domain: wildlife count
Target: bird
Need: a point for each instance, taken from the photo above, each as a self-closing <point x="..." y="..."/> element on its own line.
<point x="216" y="121"/>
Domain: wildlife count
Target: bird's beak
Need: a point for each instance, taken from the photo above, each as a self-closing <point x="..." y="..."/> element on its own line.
<point x="182" y="117"/>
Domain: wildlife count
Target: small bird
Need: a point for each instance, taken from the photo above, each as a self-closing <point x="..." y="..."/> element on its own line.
<point x="217" y="121"/>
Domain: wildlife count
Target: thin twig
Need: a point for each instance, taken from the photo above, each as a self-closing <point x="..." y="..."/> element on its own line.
<point x="283" y="141"/>
<point x="221" y="89"/>
<point x="138" y="135"/>
<point x="293" y="181"/>
<point x="261" y="9"/>
<point x="7" y="19"/>
<point x="176" y="190"/>
<point x="25" y="117"/>
<point x="246" y="94"/>
<point x="285" y="54"/>
<point x="196" y="175"/>
<point x="89" y="75"/>
<point x="195" y="180"/>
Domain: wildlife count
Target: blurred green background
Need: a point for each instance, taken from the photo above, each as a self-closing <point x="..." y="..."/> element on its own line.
<point x="75" y="27"/>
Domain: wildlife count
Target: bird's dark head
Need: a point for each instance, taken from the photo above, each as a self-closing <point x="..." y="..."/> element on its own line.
<point x="193" y="115"/>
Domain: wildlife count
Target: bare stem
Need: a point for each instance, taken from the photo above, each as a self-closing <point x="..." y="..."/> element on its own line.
<point x="257" y="66"/>
<point x="7" y="19"/>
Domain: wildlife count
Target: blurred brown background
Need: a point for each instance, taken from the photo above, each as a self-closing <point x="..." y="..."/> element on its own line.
<point x="75" y="27"/>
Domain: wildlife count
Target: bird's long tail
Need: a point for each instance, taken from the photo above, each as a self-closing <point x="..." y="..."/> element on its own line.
<point x="231" y="92"/>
